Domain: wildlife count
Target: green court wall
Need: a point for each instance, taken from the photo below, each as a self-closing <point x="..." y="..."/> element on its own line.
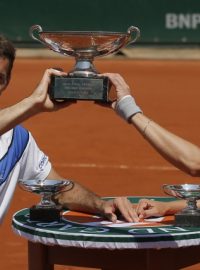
<point x="160" y="21"/>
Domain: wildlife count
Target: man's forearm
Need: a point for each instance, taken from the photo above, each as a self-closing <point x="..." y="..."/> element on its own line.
<point x="79" y="198"/>
<point x="13" y="115"/>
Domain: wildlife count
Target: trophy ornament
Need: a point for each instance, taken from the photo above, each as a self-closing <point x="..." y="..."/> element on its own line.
<point x="83" y="81"/>
<point x="46" y="210"/>
<point x="190" y="215"/>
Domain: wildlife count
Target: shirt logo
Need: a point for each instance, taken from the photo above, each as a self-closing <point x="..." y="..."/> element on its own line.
<point x="42" y="162"/>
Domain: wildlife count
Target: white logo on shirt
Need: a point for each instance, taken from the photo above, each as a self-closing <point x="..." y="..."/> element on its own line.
<point x="42" y="162"/>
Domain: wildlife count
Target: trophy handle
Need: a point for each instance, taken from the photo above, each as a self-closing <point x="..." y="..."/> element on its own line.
<point x="35" y="31"/>
<point x="132" y="29"/>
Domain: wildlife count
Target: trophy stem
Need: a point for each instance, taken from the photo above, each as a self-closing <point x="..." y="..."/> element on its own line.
<point x="46" y="200"/>
<point x="83" y="68"/>
<point x="191" y="204"/>
<point x="189" y="216"/>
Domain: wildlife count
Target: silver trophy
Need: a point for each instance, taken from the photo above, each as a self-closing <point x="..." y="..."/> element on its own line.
<point x="189" y="216"/>
<point x="46" y="209"/>
<point x="83" y="82"/>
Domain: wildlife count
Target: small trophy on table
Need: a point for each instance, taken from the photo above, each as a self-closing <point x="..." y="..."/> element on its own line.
<point x="190" y="215"/>
<point x="83" y="82"/>
<point x="46" y="210"/>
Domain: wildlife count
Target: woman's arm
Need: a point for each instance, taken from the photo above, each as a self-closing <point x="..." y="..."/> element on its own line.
<point x="152" y="208"/>
<point x="179" y="152"/>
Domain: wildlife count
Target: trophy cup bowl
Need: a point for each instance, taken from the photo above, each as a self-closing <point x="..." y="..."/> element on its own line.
<point x="46" y="210"/>
<point x="189" y="216"/>
<point x="83" y="82"/>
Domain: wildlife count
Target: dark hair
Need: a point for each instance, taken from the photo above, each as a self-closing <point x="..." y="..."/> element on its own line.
<point x="7" y="50"/>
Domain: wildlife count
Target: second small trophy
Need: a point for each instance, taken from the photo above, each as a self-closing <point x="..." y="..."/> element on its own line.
<point x="83" y="82"/>
<point x="46" y="210"/>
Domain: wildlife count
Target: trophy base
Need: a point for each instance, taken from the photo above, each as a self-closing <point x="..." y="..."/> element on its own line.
<point x="187" y="220"/>
<point x="80" y="88"/>
<point x="44" y="214"/>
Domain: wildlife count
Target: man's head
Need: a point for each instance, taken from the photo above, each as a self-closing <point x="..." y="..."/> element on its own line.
<point x="7" y="57"/>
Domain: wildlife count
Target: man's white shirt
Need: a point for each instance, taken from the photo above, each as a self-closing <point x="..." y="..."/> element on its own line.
<point x="20" y="158"/>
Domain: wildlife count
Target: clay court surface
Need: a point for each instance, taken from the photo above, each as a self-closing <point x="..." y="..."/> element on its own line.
<point x="92" y="145"/>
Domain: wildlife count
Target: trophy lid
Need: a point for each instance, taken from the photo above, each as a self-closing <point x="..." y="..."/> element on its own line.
<point x="74" y="43"/>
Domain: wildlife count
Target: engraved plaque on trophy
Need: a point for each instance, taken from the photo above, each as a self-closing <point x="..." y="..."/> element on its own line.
<point x="83" y="82"/>
<point x="46" y="210"/>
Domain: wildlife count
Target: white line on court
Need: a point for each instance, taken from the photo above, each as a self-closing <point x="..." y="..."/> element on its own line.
<point x="110" y="166"/>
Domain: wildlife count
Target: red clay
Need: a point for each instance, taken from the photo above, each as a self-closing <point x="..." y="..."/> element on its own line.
<point x="92" y="145"/>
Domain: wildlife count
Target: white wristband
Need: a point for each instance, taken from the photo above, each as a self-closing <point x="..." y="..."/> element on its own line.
<point x="126" y="107"/>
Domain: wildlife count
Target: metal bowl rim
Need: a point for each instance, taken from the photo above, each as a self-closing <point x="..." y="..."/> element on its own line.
<point x="85" y="33"/>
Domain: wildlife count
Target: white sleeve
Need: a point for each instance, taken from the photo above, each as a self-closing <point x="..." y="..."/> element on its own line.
<point x="34" y="164"/>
